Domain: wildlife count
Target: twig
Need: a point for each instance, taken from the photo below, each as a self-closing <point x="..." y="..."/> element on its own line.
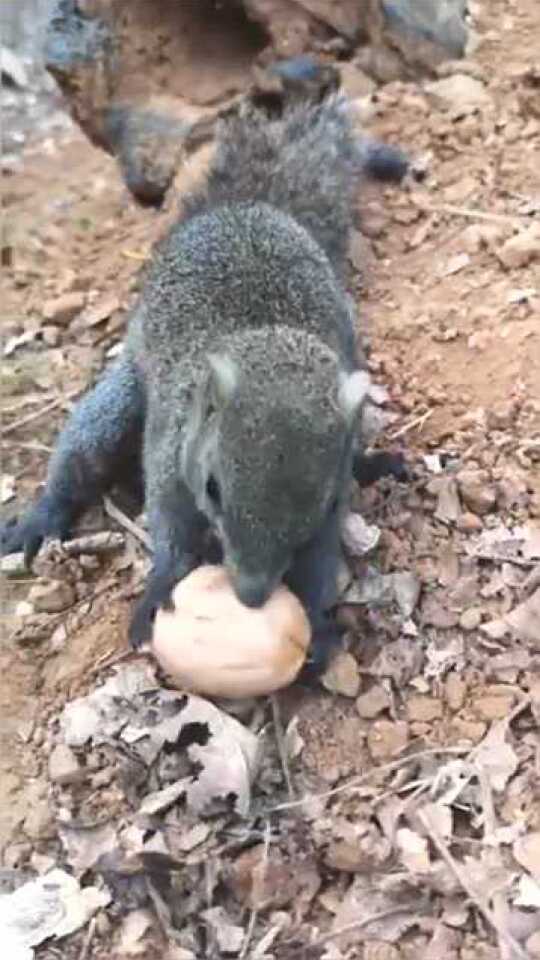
<point x="500" y="905"/>
<point x="87" y="942"/>
<point x="281" y="745"/>
<point x="354" y="925"/>
<point x="37" y="414"/>
<point x="375" y="771"/>
<point x="499" y="558"/>
<point x="463" y="881"/>
<point x="417" y="422"/>
<point x="31" y="445"/>
<point x="474" y="214"/>
<point x="258" y="880"/>
<point x="136" y="531"/>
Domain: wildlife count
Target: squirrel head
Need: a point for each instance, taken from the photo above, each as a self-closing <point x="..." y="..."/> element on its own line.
<point x="267" y="449"/>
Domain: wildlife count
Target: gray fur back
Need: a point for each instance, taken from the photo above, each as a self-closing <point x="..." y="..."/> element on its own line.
<point x="306" y="164"/>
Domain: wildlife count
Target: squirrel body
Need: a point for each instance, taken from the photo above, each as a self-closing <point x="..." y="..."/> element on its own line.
<point x="239" y="380"/>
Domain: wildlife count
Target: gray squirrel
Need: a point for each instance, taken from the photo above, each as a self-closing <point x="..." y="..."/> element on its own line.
<point x="239" y="379"/>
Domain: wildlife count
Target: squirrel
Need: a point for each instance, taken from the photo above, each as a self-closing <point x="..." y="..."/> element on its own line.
<point x="239" y="383"/>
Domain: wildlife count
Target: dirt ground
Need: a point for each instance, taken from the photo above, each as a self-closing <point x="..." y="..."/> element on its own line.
<point x="448" y="276"/>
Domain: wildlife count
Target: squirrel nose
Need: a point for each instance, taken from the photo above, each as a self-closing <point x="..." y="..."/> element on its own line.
<point x="253" y="591"/>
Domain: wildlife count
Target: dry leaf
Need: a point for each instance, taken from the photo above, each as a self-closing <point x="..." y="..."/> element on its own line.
<point x="53" y="905"/>
<point x="364" y="899"/>
<point x="496" y="757"/>
<point x="132" y="932"/>
<point x="413" y="851"/>
<point x="229" y="936"/>
<point x="526" y="851"/>
<point x="85" y="845"/>
<point x="524" y="620"/>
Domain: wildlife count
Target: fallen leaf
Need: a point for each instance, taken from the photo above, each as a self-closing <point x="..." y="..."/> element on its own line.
<point x="229" y="936"/>
<point x="496" y="757"/>
<point x="132" y="932"/>
<point x="7" y="488"/>
<point x="448" y="509"/>
<point x="524" y="620"/>
<point x="53" y="905"/>
<point x="413" y="851"/>
<point x="362" y="900"/>
<point x="528" y="892"/>
<point x="526" y="851"/>
<point x="85" y="845"/>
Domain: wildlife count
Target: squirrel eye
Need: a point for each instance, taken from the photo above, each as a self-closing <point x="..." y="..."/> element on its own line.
<point x="212" y="491"/>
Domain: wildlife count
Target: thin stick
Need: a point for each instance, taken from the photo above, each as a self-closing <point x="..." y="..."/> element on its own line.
<point x="417" y="422"/>
<point x="475" y="214"/>
<point x="258" y="879"/>
<point x="355" y="925"/>
<point x="499" y="558"/>
<point x="463" y="880"/>
<point x="85" y="949"/>
<point x="282" y="748"/>
<point x="364" y="777"/>
<point x="136" y="531"/>
<point x="37" y="414"/>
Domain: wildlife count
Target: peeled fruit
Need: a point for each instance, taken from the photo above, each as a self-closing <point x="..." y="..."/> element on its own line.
<point x="213" y="645"/>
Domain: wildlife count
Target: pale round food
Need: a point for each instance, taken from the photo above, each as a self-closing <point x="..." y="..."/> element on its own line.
<point x="213" y="645"/>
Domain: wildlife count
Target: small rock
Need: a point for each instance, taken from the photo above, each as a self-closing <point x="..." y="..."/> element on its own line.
<point x="526" y="850"/>
<point x="501" y="416"/>
<point x="52" y="596"/>
<point x="64" y="766"/>
<point x="472" y="730"/>
<point x="455" y="690"/>
<point x="387" y="738"/>
<point x="459" y="94"/>
<point x="470" y="619"/>
<point x="50" y="335"/>
<point x="469" y="523"/>
<point x="494" y="707"/>
<point x="359" y="537"/>
<point x="448" y="507"/>
<point x="521" y="249"/>
<point x="475" y="492"/>
<point x="39" y="823"/>
<point x="381" y="950"/>
<point x="533" y="946"/>
<point x="343" y="675"/>
<point x="63" y="309"/>
<point x="372" y="702"/>
<point x="424" y="709"/>
<point x="406" y="591"/>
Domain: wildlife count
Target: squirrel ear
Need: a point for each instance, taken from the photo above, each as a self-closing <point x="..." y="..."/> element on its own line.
<point x="224" y="376"/>
<point x="353" y="390"/>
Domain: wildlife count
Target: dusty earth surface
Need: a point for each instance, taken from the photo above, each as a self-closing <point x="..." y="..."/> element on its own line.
<point x="408" y="784"/>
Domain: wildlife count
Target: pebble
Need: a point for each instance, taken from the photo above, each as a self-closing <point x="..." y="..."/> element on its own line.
<point x="63" y="309"/>
<point x="387" y="738"/>
<point x="372" y="702"/>
<point x="472" y="730"/>
<point x="520" y="249"/>
<point x="51" y="596"/>
<point x="456" y="691"/>
<point x="424" y="709"/>
<point x="50" y="335"/>
<point x="39" y="823"/>
<point x="533" y="946"/>
<point x="469" y="523"/>
<point x="63" y="765"/>
<point x="343" y="675"/>
<point x="470" y="619"/>
<point x="494" y="707"/>
<point x="475" y="491"/>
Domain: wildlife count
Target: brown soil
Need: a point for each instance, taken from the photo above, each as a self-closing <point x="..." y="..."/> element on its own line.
<point x="450" y="339"/>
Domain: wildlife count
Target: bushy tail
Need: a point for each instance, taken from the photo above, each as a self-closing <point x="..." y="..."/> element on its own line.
<point x="307" y="163"/>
